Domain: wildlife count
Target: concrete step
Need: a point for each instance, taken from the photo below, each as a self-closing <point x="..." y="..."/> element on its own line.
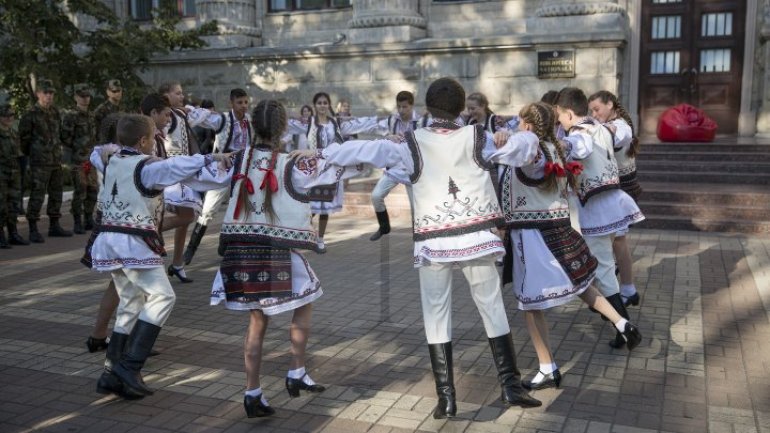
<point x="648" y="175"/>
<point x="727" y="167"/>
<point x="706" y="147"/>
<point x="703" y="156"/>
<point x="714" y="211"/>
<point x="667" y="222"/>
<point x="706" y="193"/>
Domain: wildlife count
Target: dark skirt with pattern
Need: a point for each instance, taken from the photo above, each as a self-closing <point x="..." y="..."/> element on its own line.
<point x="630" y="185"/>
<point x="254" y="272"/>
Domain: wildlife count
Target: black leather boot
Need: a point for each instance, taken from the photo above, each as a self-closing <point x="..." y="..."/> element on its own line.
<point x="617" y="303"/>
<point x="3" y="241"/>
<point x="138" y="348"/>
<point x="89" y="222"/>
<point x="195" y="240"/>
<point x="77" y="227"/>
<point x="14" y="238"/>
<point x="108" y="382"/>
<point x="384" y="220"/>
<point x="441" y="362"/>
<point x="34" y="235"/>
<point x="56" y="230"/>
<point x="513" y="394"/>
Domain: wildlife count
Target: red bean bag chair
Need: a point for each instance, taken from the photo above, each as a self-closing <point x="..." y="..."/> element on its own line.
<point x="686" y="123"/>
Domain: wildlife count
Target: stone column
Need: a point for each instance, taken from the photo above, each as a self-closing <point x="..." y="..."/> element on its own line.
<point x="763" y="117"/>
<point x="383" y="21"/>
<point x="238" y="23"/>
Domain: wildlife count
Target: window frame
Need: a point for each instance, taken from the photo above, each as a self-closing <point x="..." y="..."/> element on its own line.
<point x="293" y="7"/>
<point x="155" y="4"/>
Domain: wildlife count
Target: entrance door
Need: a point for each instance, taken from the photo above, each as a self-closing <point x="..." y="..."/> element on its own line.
<point x="692" y="52"/>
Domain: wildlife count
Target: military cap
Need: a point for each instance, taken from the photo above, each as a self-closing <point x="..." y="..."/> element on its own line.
<point x="114" y="85"/>
<point x="45" y="86"/>
<point x="6" y="110"/>
<point x="82" y="89"/>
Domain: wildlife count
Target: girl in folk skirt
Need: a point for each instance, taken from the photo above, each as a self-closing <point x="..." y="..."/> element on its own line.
<point x="551" y="262"/>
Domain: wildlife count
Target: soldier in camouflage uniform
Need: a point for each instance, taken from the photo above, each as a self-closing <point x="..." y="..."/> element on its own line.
<point x="78" y="134"/>
<point x="10" y="181"/>
<point x="40" y="141"/>
<point x="111" y="105"/>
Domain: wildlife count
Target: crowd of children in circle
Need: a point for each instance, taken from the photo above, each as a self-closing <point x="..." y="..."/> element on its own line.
<point x="548" y="194"/>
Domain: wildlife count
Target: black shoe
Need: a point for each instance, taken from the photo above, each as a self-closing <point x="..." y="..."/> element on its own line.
<point x="77" y="226"/>
<point x="108" y="382"/>
<point x="89" y="223"/>
<point x="512" y="393"/>
<point x="551" y="380"/>
<point x="56" y="230"/>
<point x="293" y="386"/>
<point x="137" y="350"/>
<point x="3" y="241"/>
<point x="14" y="238"/>
<point x="376" y="236"/>
<point x="618" y="342"/>
<point x="632" y="336"/>
<point x="96" y="344"/>
<point x="195" y="241"/>
<point x="631" y="300"/>
<point x="617" y="303"/>
<point x="255" y="408"/>
<point x="443" y="374"/>
<point x="174" y="271"/>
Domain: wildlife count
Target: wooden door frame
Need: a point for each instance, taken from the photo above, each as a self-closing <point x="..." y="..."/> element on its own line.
<point x="747" y="119"/>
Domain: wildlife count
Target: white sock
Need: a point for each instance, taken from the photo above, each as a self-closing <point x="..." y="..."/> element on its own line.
<point x="296" y="374"/>
<point x="627" y="290"/>
<point x="544" y="369"/>
<point x="621" y="324"/>
<point x="180" y="270"/>
<point x="255" y="392"/>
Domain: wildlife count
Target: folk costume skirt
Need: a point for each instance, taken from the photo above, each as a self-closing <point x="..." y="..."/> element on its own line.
<point x="259" y="277"/>
<point x="550" y="267"/>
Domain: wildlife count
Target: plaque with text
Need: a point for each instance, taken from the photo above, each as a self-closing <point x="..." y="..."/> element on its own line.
<point x="556" y="64"/>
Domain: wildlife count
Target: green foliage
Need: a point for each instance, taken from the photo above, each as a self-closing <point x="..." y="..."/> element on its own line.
<point x="83" y="41"/>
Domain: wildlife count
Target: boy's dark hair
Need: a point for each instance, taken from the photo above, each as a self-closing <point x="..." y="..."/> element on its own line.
<point x="550" y="97"/>
<point x="237" y="93"/>
<point x="153" y="101"/>
<point x="207" y="103"/>
<point x="405" y="96"/>
<point x="132" y="127"/>
<point x="573" y="99"/>
<point x="445" y="98"/>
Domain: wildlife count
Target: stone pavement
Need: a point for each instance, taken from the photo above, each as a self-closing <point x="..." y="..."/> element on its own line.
<point x="703" y="366"/>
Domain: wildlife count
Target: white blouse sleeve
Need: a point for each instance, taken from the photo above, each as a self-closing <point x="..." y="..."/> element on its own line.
<point x="520" y="150"/>
<point x="578" y="145"/>
<point x="359" y="125"/>
<point x="199" y="172"/>
<point x="96" y="155"/>
<point x="203" y="117"/>
<point x="623" y="134"/>
<point x="296" y="127"/>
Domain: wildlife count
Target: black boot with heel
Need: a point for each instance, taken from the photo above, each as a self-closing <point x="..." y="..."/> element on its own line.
<point x="384" y="220"/>
<point x="137" y="350"/>
<point x="512" y="394"/>
<point x="441" y="363"/>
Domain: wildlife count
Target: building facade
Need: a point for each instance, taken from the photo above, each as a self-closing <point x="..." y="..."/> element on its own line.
<point x="652" y="53"/>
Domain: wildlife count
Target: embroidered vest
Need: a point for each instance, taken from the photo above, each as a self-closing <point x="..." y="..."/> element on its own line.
<point x="394" y="121"/>
<point x="316" y="141"/>
<point x="528" y="206"/>
<point x="453" y="193"/>
<point x="179" y="137"/>
<point x="224" y="135"/>
<point x="291" y="227"/>
<point x="490" y="124"/>
<point x="600" y="170"/>
<point x="126" y="205"/>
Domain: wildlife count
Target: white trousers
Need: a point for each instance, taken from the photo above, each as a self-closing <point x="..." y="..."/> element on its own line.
<point x="144" y="294"/>
<point x="382" y="189"/>
<point x="211" y="203"/>
<point x="436" y="296"/>
<point x="601" y="248"/>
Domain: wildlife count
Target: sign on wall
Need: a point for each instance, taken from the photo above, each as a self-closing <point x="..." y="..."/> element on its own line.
<point x="556" y="64"/>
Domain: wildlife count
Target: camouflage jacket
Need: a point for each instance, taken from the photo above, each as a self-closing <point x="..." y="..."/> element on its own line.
<point x="78" y="133"/>
<point x="39" y="136"/>
<point x="9" y="151"/>
<point x="102" y="111"/>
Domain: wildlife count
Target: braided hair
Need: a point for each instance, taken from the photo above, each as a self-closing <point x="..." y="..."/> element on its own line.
<point x="620" y="112"/>
<point x="541" y="116"/>
<point x="269" y="122"/>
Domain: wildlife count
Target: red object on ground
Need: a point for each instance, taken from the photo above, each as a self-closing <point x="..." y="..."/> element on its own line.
<point x="686" y="123"/>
